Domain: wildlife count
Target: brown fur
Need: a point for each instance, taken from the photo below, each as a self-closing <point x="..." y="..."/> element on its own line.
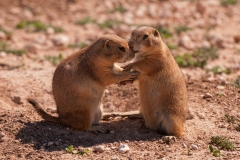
<point x="79" y="82"/>
<point x="163" y="94"/>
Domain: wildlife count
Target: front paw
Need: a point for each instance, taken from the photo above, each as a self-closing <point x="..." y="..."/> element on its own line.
<point x="125" y="82"/>
<point x="127" y="68"/>
<point x="133" y="75"/>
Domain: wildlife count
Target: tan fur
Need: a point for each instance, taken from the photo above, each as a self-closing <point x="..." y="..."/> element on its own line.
<point x="79" y="82"/>
<point x="162" y="88"/>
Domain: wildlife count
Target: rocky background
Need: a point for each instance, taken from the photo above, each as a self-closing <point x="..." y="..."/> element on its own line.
<point x="204" y="37"/>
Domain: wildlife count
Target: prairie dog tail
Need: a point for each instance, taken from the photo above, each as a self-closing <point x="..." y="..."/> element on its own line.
<point x="42" y="113"/>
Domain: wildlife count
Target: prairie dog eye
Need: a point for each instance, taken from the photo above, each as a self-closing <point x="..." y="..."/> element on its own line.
<point x="122" y="49"/>
<point x="145" y="36"/>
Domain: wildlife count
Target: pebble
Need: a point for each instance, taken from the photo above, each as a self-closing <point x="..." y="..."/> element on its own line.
<point x="50" y="143"/>
<point x="184" y="145"/>
<point x="54" y="110"/>
<point x="200" y="7"/>
<point x="114" y="157"/>
<point x="238" y="115"/>
<point x="193" y="147"/>
<point x="237" y="38"/>
<point x="15" y="10"/>
<point x="74" y="151"/>
<point x="3" y="54"/>
<point x="50" y="30"/>
<point x="217" y="40"/>
<point x="222" y="126"/>
<point x="220" y="87"/>
<point x="106" y="91"/>
<point x="206" y="44"/>
<point x="201" y="116"/>
<point x="123" y="148"/>
<point x="2" y="35"/>
<point x="99" y="148"/>
<point x="2" y="135"/>
<point x="32" y="48"/>
<point x="112" y="132"/>
<point x="169" y="139"/>
<point x="186" y="42"/>
<point x="207" y="95"/>
<point x="17" y="100"/>
<point x="61" y="40"/>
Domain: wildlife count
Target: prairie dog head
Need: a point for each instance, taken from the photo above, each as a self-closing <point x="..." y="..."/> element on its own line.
<point x="143" y="38"/>
<point x="114" y="49"/>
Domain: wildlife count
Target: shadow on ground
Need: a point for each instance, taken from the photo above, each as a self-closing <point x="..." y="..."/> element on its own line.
<point x="55" y="137"/>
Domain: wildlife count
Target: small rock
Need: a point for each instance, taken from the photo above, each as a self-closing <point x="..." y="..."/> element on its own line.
<point x="217" y="39"/>
<point x="184" y="145"/>
<point x="61" y="40"/>
<point x="74" y="151"/>
<point x="2" y="35"/>
<point x="27" y="14"/>
<point x="169" y="139"/>
<point x="99" y="149"/>
<point x="50" y="30"/>
<point x="200" y="7"/>
<point x="17" y="99"/>
<point x="56" y="143"/>
<point x="123" y="148"/>
<point x="186" y="42"/>
<point x="193" y="147"/>
<point x="106" y="91"/>
<point x="220" y="87"/>
<point x="15" y="10"/>
<point x="50" y="143"/>
<point x="3" y="54"/>
<point x="114" y="157"/>
<point x="207" y="95"/>
<point x="1" y="135"/>
<point x="237" y="39"/>
<point x="206" y="44"/>
<point x="201" y="116"/>
<point x="112" y="132"/>
<point x="222" y="126"/>
<point x="52" y="110"/>
<point x="238" y="115"/>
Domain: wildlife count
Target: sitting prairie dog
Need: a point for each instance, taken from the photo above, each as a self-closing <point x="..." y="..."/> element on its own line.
<point x="80" y="79"/>
<point x="162" y="88"/>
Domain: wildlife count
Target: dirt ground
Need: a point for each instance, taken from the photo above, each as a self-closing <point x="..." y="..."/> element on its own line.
<point x="24" y="134"/>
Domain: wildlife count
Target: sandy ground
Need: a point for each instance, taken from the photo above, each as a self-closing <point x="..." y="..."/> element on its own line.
<point x="24" y="135"/>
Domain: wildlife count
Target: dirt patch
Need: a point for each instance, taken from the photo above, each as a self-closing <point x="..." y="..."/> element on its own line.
<point x="24" y="135"/>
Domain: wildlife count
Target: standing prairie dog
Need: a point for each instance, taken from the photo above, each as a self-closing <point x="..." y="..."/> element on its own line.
<point x="80" y="79"/>
<point x="162" y="88"/>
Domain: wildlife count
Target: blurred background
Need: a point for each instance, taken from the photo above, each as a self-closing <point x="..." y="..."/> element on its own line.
<point x="203" y="35"/>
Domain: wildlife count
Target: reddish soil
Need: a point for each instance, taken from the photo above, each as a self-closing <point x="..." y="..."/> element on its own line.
<point x="25" y="135"/>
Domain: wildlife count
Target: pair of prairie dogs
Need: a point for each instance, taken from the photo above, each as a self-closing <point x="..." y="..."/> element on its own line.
<point x="79" y="82"/>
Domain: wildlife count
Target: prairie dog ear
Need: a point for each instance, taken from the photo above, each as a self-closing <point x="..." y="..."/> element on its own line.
<point x="107" y="43"/>
<point x="156" y="33"/>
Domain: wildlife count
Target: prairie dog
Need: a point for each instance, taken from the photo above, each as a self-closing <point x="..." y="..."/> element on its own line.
<point x="80" y="79"/>
<point x="162" y="88"/>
